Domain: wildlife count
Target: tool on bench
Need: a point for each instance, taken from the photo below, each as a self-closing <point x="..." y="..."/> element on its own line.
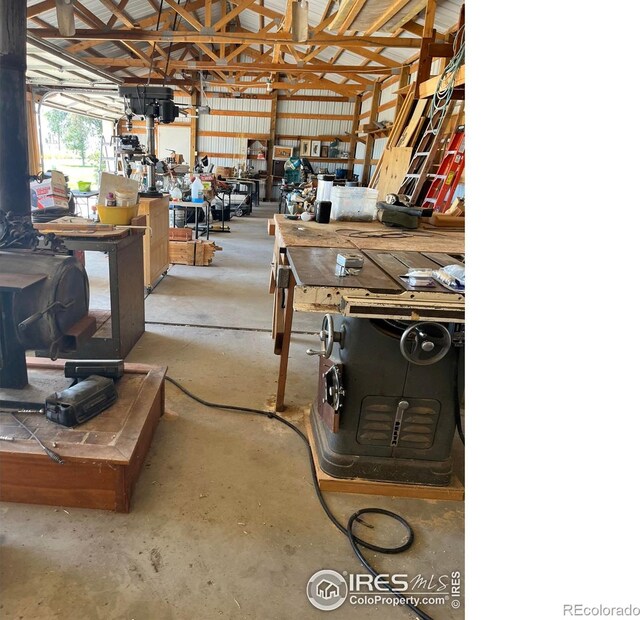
<point x="81" y="369"/>
<point x="400" y="213"/>
<point x="349" y="264"/>
<point x="50" y="453"/>
<point x="81" y="402"/>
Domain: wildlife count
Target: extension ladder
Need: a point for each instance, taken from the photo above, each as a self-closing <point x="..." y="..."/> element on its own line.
<point x="445" y="181"/>
<point x="414" y="184"/>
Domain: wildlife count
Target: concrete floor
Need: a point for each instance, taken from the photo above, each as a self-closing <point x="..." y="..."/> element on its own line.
<point x="224" y="523"/>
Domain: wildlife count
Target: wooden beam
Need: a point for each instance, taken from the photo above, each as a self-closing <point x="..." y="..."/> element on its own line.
<point x="394" y="9"/>
<point x="349" y="17"/>
<point x="403" y="82"/>
<point x="428" y="36"/>
<point x="353" y="141"/>
<point x="325" y="40"/>
<point x="223" y="47"/>
<point x="36" y="9"/>
<point x="122" y="15"/>
<point x="207" y="12"/>
<point x="208" y="65"/>
<point x="375" y="103"/>
<point x="186" y="15"/>
<point x="193" y="130"/>
<point x="273" y="124"/>
<point x="241" y="6"/>
<point x="428" y="88"/>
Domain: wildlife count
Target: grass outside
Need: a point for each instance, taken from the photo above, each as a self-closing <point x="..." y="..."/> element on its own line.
<point x="74" y="170"/>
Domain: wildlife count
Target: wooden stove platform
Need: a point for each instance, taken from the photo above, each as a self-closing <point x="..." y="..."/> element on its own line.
<point x="102" y="457"/>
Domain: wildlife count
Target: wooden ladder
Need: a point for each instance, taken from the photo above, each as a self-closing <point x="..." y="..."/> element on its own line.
<point x="431" y="145"/>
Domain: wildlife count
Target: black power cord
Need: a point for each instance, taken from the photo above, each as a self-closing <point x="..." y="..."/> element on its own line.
<point x="355" y="541"/>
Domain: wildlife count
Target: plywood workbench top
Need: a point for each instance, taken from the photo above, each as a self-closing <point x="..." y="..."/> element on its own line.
<point x="366" y="236"/>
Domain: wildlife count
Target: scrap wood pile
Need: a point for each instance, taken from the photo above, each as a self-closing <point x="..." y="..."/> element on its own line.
<point x="186" y="251"/>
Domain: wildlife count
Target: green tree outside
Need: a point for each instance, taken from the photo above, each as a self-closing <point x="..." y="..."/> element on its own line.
<point x="57" y="120"/>
<point x="78" y="131"/>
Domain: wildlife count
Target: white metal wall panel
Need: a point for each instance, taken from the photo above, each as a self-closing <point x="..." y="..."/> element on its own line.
<point x="182" y="102"/>
<point x="378" y="147"/>
<point x="366" y="105"/>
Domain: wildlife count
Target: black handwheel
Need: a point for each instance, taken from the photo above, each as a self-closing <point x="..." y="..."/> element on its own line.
<point x="425" y="343"/>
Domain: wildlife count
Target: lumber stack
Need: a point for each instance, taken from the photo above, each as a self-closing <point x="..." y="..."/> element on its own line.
<point x="197" y="252"/>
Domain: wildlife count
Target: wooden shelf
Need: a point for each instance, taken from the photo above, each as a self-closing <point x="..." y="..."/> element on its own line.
<point x="328" y="159"/>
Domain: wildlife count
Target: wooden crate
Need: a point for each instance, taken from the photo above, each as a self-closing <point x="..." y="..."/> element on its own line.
<point x="196" y="252"/>
<point x="180" y="234"/>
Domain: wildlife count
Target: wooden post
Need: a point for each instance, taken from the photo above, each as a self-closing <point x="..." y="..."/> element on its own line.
<point x="286" y="341"/>
<point x="373" y="116"/>
<point x="428" y="37"/>
<point x="272" y="142"/>
<point x="353" y="142"/>
<point x="405" y="74"/>
<point x="194" y="130"/>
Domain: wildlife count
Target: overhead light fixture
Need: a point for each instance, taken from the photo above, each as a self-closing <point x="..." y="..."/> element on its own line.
<point x="300" y="21"/>
<point x="269" y="85"/>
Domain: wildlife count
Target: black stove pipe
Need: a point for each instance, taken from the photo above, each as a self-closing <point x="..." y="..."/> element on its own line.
<point x="14" y="150"/>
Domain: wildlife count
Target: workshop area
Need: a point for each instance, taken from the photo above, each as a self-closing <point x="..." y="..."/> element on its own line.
<point x="232" y="355"/>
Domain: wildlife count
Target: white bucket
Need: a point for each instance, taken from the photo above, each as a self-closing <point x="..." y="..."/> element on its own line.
<point x="126" y="199"/>
<point x="324" y="190"/>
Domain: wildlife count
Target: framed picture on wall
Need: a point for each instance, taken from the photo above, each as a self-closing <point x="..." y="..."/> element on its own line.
<point x="315" y="148"/>
<point x="324" y="151"/>
<point x="305" y="148"/>
<point x="282" y="152"/>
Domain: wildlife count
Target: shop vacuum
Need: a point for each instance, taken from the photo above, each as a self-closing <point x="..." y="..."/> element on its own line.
<point x="388" y="397"/>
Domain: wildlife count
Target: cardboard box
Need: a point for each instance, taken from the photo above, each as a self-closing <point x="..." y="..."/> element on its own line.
<point x="55" y="186"/>
<point x="48" y="202"/>
<point x="224" y="171"/>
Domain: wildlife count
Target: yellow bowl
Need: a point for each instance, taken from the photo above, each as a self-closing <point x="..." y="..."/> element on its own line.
<point x="118" y="216"/>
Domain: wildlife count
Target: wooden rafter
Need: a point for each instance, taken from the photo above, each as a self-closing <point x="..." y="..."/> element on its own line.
<point x="207" y="44"/>
<point x="326" y="40"/>
<point x="120" y="14"/>
<point x="42" y="7"/>
<point x="205" y="65"/>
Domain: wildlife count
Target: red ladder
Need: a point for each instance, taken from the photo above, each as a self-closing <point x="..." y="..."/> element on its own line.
<point x="445" y="181"/>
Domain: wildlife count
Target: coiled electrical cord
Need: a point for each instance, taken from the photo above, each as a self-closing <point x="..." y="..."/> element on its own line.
<point x="355" y="541"/>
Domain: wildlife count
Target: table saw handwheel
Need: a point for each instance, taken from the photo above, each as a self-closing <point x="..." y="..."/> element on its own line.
<point x="425" y="343"/>
<point x="328" y="337"/>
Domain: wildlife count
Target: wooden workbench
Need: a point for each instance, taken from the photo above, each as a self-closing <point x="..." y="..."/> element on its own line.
<point x="303" y="276"/>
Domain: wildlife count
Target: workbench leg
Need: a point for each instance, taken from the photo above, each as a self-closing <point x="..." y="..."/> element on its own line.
<point x="286" y="341"/>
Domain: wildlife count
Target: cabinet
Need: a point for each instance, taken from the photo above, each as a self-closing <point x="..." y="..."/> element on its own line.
<point x="156" y="241"/>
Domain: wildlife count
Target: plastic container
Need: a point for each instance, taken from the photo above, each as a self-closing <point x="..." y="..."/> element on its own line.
<point x="118" y="216"/>
<point x="126" y="199"/>
<point x="197" y="190"/>
<point x="355" y="204"/>
<point x="325" y="184"/>
<point x="84" y="186"/>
